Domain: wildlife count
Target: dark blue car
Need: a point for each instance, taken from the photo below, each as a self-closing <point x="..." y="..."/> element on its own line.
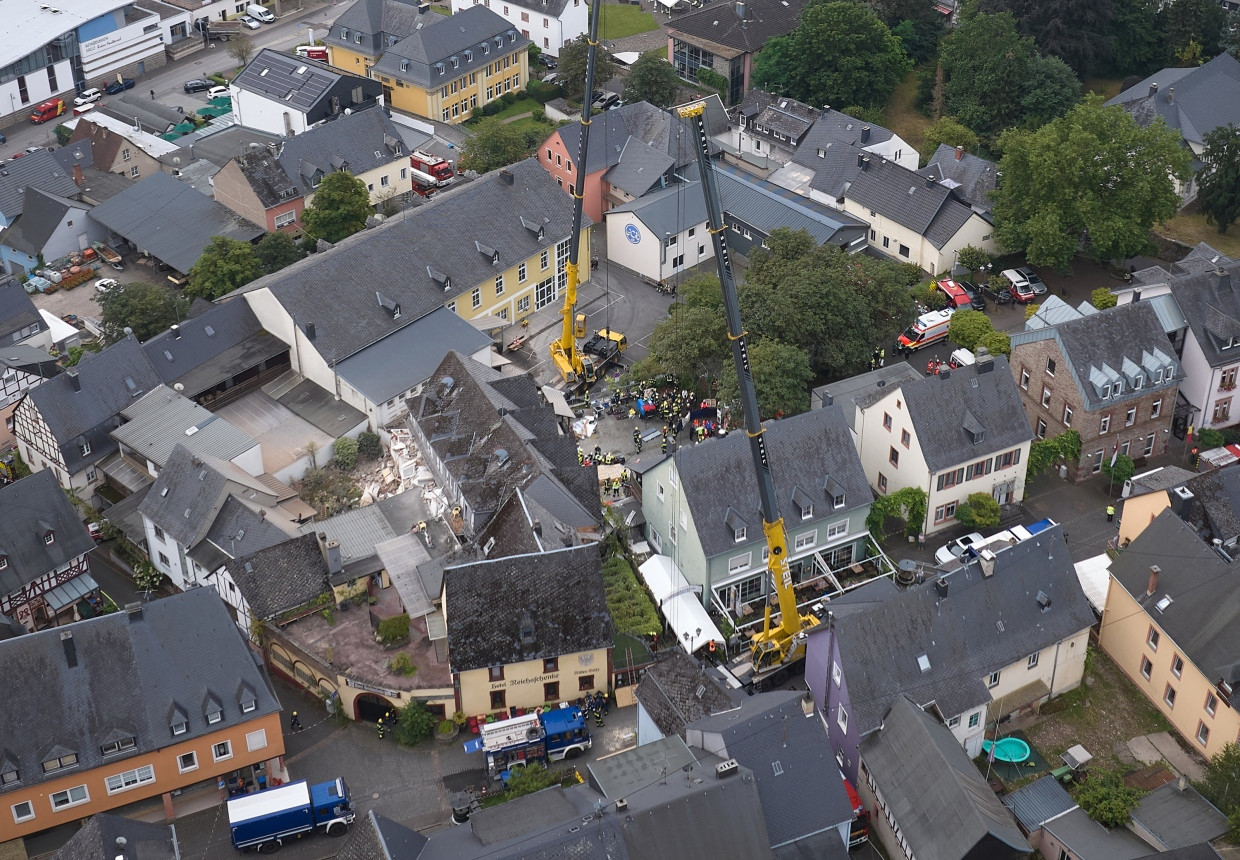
<point x="120" y="86"/>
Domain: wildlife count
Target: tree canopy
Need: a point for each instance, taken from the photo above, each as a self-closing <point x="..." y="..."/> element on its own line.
<point x="571" y="74"/>
<point x="225" y="265"/>
<point x="277" y="250"/>
<point x="864" y="65"/>
<point x="1218" y="184"/>
<point x="147" y="309"/>
<point x="1075" y="32"/>
<point x="493" y="144"/>
<point x="1091" y="180"/>
<point x="1185" y="23"/>
<point x="339" y="209"/>
<point x="947" y="130"/>
<point x="781" y="378"/>
<point x="652" y="79"/>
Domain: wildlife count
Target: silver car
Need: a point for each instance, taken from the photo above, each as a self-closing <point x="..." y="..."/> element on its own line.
<point x="957" y="548"/>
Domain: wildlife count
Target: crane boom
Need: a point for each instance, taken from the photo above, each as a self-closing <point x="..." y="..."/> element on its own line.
<point x="573" y="366"/>
<point x="784" y="643"/>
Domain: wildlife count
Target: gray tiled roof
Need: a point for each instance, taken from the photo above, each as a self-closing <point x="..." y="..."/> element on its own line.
<point x="484" y="631"/>
<point x="30" y="509"/>
<point x="79" y="152"/>
<point x="425" y="57"/>
<point x="722" y="24"/>
<point x="1039" y="801"/>
<point x="639" y="169"/>
<point x="879" y="648"/>
<point x="610" y="133"/>
<point x="1205" y="607"/>
<point x="1086" y="839"/>
<point x="236" y="531"/>
<point x="129" y="674"/>
<point x="1215" y="509"/>
<point x="17" y="309"/>
<point x="783" y="114"/>
<point x="832" y="129"/>
<point x="108" y="381"/>
<point x="374" y="18"/>
<point x="358" y="142"/>
<point x="280" y="577"/>
<point x="1200" y="851"/>
<point x="1179" y="817"/>
<point x="220" y="146"/>
<point x="157" y="422"/>
<point x="970" y="176"/>
<point x="791" y="758"/>
<point x="322" y="288"/>
<point x="940" y="409"/>
<point x="913" y="201"/>
<point x="40" y="217"/>
<point x="376" y="836"/>
<point x="1204" y="98"/>
<point x="847" y="392"/>
<point x="940" y="800"/>
<point x="1210" y="301"/>
<point x="358" y="531"/>
<point x="668" y="692"/>
<point x="30" y="359"/>
<point x="1112" y="346"/>
<point x="96" y="840"/>
<point x="267" y="179"/>
<point x="171" y="220"/>
<point x="804" y="450"/>
<point x="34" y="170"/>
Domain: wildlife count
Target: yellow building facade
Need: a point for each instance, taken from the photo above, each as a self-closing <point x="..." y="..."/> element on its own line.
<point x="534" y="683"/>
<point x="453" y="100"/>
<point x="535" y="283"/>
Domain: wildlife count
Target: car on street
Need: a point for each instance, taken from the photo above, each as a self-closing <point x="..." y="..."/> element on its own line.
<point x="1035" y="280"/>
<point x="105" y="284"/>
<point x="3" y="139"/>
<point x="217" y="92"/>
<point x="247" y="21"/>
<point x="120" y="86"/>
<point x="197" y="85"/>
<point x="88" y="97"/>
<point x="957" y="548"/>
<point x="1021" y="290"/>
<point x="34" y="149"/>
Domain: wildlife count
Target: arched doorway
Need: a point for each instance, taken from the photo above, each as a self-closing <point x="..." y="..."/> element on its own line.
<point x="369" y="707"/>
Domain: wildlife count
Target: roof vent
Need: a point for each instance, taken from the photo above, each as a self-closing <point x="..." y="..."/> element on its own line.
<point x="1044" y="600"/>
<point x="527" y="628"/>
<point x="923" y="663"/>
<point x="1162" y="605"/>
<point x="621" y="804"/>
<point x="940" y="586"/>
<point x="727" y="768"/>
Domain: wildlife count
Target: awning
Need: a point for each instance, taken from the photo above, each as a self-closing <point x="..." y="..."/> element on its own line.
<point x="558" y="402"/>
<point x="669" y="3"/>
<point x="69" y="593"/>
<point x="1017" y="699"/>
<point x="679" y="603"/>
<point x="1094" y="575"/>
<point x="627" y="58"/>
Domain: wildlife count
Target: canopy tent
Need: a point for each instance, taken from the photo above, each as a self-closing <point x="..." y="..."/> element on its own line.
<point x="679" y="602"/>
<point x="1095" y="576"/>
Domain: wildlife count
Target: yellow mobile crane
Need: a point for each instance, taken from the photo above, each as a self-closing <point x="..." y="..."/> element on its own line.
<point x="775" y="649"/>
<point x="574" y="367"/>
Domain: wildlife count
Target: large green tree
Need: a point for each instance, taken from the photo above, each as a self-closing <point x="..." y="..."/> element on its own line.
<point x="1092" y="180"/>
<point x="781" y="378"/>
<point x="1221" y="785"/>
<point x="995" y="79"/>
<point x="1136" y="38"/>
<point x="571" y="74"/>
<point x="225" y="265"/>
<point x="277" y="250"/>
<point x="147" y="309"/>
<point x="946" y="130"/>
<point x="1073" y="31"/>
<point x="918" y="25"/>
<point x="1188" y="23"/>
<point x="1218" y="184"/>
<point x="652" y="79"/>
<point x="492" y="145"/>
<point x="339" y="209"/>
<point x="862" y="66"/>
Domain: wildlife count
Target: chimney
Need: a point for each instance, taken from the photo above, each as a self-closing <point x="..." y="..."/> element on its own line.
<point x="1153" y="586"/>
<point x="986" y="561"/>
<point x="538" y="527"/>
<point x="1222" y="280"/>
<point x="74" y="379"/>
<point x="931" y="180"/>
<point x="998" y="179"/>
<point x="945" y="373"/>
<point x="78" y="179"/>
<point x="176" y="332"/>
<point x="331" y="555"/>
<point x="983" y="361"/>
<point x="506" y="177"/>
<point x="740" y="9"/>
<point x="865" y="134"/>
<point x="940" y="585"/>
<point x="1170" y="95"/>
<point x="66" y="639"/>
<point x="861" y="160"/>
<point x="1153" y="90"/>
<point x="134" y="611"/>
<point x="865" y="162"/>
<point x="1136" y="296"/>
<point x="310" y="331"/>
<point x="423" y="8"/>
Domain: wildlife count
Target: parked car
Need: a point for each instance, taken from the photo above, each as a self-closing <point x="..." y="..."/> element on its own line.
<point x="976" y="300"/>
<point x="1021" y="289"/>
<point x="3" y="139"/>
<point x="217" y="92"/>
<point x="1035" y="281"/>
<point x="548" y="61"/>
<point x="88" y="97"/>
<point x="999" y="297"/>
<point x="957" y="548"/>
<point x="120" y="86"/>
<point x="197" y="85"/>
<point x="247" y="21"/>
<point x="95" y="531"/>
<point x="105" y="284"/>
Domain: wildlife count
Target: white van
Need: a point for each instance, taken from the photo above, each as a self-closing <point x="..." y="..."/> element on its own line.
<point x="255" y="10"/>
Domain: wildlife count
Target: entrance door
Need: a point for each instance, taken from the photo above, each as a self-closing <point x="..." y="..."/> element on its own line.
<point x="369" y="707"/>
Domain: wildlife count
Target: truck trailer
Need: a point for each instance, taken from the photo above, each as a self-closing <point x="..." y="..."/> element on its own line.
<point x="265" y="819"/>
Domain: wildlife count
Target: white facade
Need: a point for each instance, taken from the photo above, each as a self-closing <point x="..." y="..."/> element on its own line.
<point x="534" y="21"/>
<point x="257" y="111"/>
<point x="630" y="243"/>
<point x="104" y="55"/>
<point x="905" y="245"/>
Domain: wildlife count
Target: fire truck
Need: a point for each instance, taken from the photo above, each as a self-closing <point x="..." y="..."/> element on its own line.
<point x="430" y="172"/>
<point x="553" y="735"/>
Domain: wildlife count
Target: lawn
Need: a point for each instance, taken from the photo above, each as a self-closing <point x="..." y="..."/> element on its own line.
<point x="1105" y="710"/>
<point x="620" y="21"/>
<point x="1105" y="87"/>
<point x="1190" y="227"/>
<point x="902" y="115"/>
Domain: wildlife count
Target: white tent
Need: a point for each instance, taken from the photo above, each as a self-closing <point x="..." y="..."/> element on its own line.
<point x="1095" y="576"/>
<point x="680" y="604"/>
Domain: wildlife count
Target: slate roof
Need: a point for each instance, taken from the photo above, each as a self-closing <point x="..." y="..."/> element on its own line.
<point x="927" y="208"/>
<point x="1210" y="301"/>
<point x="1215" y="508"/>
<point x="357" y="142"/>
<point x="78" y="152"/>
<point x="280" y="577"/>
<point x="151" y="117"/>
<point x="96" y="840"/>
<point x="798" y="779"/>
<point x="1200" y="851"/>
<point x="220" y="146"/>
<point x="721" y="25"/>
<point x="236" y="531"/>
<point x="846" y="392"/>
<point x="1089" y="840"/>
<point x="298" y="82"/>
<point x="484" y="631"/>
<point x="377" y="836"/>
<point x="29" y="359"/>
<point x="171" y="220"/>
<point x="959" y="634"/>
<point x="17" y="309"/>
<point x="31" y="509"/>
<point x="640" y="121"/>
<point x="266" y="177"/>
<point x="1204" y="98"/>
<point x="639" y="169"/>
<point x="942" y="408"/>
<point x="1205" y="604"/>
<point x="40" y="217"/>
<point x="1038" y="802"/>
<point x="668" y="692"/>
<point x="157" y="422"/>
<point x="132" y="674"/>
<point x="783" y="114"/>
<point x="425" y="56"/>
<point x="33" y="170"/>
<point x="396" y="18"/>
<point x="970" y="176"/>
<point x="1179" y="818"/>
<point x="944" y="807"/>
<point x="805" y="451"/>
<point x="107" y="382"/>
<point x="321" y="288"/>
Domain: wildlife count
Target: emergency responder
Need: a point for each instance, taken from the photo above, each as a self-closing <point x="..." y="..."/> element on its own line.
<point x="637" y="439"/>
<point x="294" y="723"/>
<point x="382" y="728"/>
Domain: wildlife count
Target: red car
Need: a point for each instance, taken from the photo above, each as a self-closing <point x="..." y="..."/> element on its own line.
<point x="1022" y="290"/>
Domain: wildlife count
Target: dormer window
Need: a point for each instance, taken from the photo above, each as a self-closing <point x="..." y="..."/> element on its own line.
<point x="60" y="762"/>
<point x="804" y="503"/>
<point x="10" y="776"/>
<point x="738" y="535"/>
<point x="1117" y="388"/>
<point x="119" y="746"/>
<point x="838" y="501"/>
<point x="4" y="562"/>
<point x="180" y="727"/>
<point x="248" y="704"/>
<point x="456" y="62"/>
<point x="1137" y="382"/>
<point x="49" y="537"/>
<point x="344" y="33"/>
<point x="84" y="448"/>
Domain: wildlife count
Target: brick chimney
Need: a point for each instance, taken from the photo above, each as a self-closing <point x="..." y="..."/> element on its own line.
<point x="959" y="152"/>
<point x="78" y="179"/>
<point x="1153" y="586"/>
<point x="1153" y="90"/>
